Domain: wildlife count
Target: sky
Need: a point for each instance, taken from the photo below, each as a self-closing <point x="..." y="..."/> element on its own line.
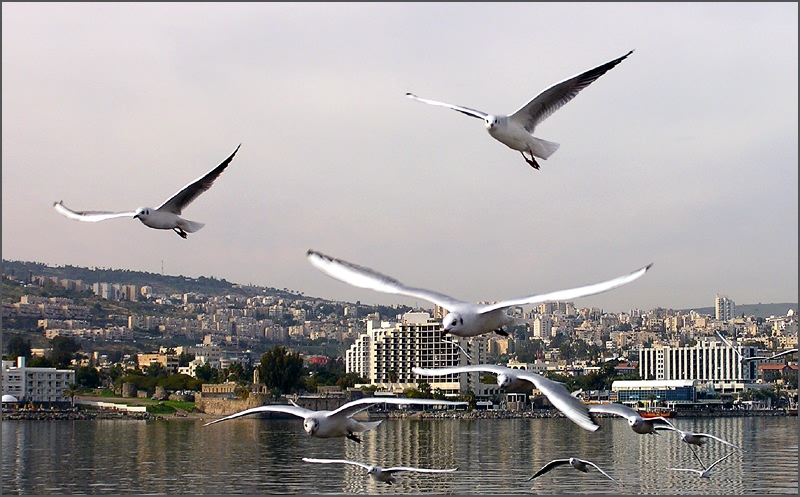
<point x="685" y="155"/>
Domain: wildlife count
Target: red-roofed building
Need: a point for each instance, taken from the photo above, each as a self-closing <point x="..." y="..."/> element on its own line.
<point x="771" y="372"/>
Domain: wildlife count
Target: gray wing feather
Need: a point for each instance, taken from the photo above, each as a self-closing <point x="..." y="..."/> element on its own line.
<point x="547" y="467"/>
<point x="553" y="98"/>
<point x="188" y="193"/>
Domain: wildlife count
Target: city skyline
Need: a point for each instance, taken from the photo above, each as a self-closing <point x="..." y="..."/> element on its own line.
<point x="672" y="158"/>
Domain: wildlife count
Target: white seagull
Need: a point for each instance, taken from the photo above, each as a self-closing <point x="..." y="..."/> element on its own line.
<point x="164" y="217"/>
<point x="693" y="438"/>
<point x="579" y="464"/>
<point x="339" y="422"/>
<point x="464" y="319"/>
<point x="378" y="473"/>
<point x="516" y="130"/>
<point x="706" y="473"/>
<point x="638" y="424"/>
<point x="520" y="380"/>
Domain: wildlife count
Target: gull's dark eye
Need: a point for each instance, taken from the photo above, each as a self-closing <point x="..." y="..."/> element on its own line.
<point x="460" y="320"/>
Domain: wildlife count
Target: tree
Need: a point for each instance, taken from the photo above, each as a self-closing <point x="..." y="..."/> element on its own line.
<point x="281" y="370"/>
<point x="71" y="391"/>
<point x="64" y="349"/>
<point x="18" y="347"/>
<point x="87" y="376"/>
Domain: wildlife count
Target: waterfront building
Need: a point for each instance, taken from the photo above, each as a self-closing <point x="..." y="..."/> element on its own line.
<point x="36" y="385"/>
<point x="707" y="362"/>
<point x="672" y="392"/>
<point x="385" y="354"/>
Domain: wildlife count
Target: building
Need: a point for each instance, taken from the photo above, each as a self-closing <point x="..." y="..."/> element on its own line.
<point x="631" y="392"/>
<point x="36" y="385"/>
<point x="725" y="308"/>
<point x="706" y="362"/>
<point x="385" y="354"/>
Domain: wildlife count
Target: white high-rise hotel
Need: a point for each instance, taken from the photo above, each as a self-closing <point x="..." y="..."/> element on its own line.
<point x="386" y="353"/>
<point x="707" y="362"/>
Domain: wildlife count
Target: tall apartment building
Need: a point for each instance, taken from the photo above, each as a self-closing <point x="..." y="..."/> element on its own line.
<point x="724" y="307"/>
<point x="707" y="362"/>
<point x="388" y="351"/>
<point x="36" y="385"/>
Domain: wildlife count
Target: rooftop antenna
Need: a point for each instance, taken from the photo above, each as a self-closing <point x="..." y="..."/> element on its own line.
<point x="162" y="267"/>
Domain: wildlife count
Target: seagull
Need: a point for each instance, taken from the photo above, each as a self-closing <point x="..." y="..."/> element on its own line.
<point x="693" y="438"/>
<point x="378" y="473"/>
<point x="579" y="464"/>
<point x="706" y="473"/>
<point x="339" y="422"/>
<point x="516" y="130"/>
<point x="464" y="319"/>
<point x="164" y="217"/>
<point x="519" y="380"/>
<point x="638" y="424"/>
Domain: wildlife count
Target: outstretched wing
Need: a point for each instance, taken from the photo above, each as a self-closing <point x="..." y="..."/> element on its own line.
<point x="359" y="405"/>
<point x="337" y="461"/>
<point x="469" y="368"/>
<point x="600" y="470"/>
<point x="547" y="467"/>
<point x="364" y="277"/>
<point x="398" y="469"/>
<point x="719" y="461"/>
<point x="562" y="295"/>
<point x="615" y="409"/>
<point x="558" y="395"/>
<point x="781" y="354"/>
<point x="188" y="193"/>
<point x="459" y="108"/>
<point x="553" y="98"/>
<point x="728" y="343"/>
<point x="294" y="410"/>
<point x="88" y="216"/>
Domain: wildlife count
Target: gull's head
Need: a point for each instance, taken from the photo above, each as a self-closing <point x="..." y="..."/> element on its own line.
<point x="503" y="380"/>
<point x="142" y="213"/>
<point x="452" y="323"/>
<point x="311" y="425"/>
<point x="491" y="121"/>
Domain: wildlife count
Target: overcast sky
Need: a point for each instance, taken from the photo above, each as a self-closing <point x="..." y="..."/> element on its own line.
<point x="684" y="155"/>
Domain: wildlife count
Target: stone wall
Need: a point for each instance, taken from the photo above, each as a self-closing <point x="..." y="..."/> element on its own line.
<point x="217" y="406"/>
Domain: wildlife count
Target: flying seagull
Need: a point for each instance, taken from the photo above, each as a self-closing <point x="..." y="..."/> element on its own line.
<point x="464" y="319"/>
<point x="706" y="473"/>
<point x="518" y="380"/>
<point x="164" y="217"/>
<point x="378" y="473"/>
<point x="579" y="464"/>
<point x="693" y="438"/>
<point x="339" y="422"/>
<point x="516" y="130"/>
<point x="638" y="424"/>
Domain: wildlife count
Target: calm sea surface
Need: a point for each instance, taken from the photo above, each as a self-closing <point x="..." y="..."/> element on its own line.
<point x="493" y="456"/>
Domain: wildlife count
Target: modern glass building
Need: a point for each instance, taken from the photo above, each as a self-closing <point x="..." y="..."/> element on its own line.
<point x="672" y="391"/>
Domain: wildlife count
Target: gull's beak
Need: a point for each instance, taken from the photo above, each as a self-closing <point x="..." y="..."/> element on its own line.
<point x="136" y="216"/>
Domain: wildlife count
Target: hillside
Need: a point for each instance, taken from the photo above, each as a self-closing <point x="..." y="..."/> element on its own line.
<point x="758" y="310"/>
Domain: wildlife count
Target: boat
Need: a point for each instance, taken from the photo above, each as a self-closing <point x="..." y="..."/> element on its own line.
<point x="657" y="412"/>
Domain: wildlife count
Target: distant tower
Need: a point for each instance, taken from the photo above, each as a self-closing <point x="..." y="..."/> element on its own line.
<point x="725" y="308"/>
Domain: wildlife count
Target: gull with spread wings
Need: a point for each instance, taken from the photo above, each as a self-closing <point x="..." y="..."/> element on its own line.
<point x="339" y="422"/>
<point x="464" y="319"/>
<point x="516" y="130"/>
<point x="579" y="464"/>
<point x="379" y="473"/>
<point x="164" y="217"/>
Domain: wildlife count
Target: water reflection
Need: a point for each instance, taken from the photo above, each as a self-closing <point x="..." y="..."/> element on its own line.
<point x="263" y="456"/>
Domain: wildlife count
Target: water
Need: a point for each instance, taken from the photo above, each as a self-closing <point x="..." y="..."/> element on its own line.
<point x="493" y="456"/>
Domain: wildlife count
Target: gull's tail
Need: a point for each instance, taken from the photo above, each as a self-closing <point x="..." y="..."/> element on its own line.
<point x="542" y="148"/>
<point x="190" y="226"/>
